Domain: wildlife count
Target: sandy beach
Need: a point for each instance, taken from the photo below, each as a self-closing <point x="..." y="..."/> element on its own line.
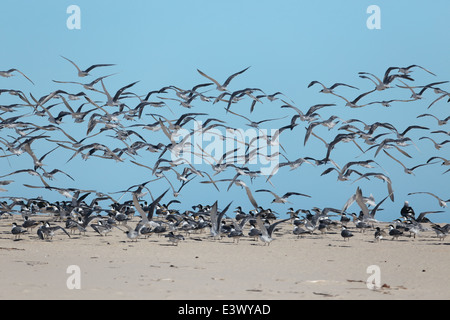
<point x="313" y="267"/>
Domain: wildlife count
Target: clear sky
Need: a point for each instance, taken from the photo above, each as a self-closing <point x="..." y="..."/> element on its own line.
<point x="287" y="44"/>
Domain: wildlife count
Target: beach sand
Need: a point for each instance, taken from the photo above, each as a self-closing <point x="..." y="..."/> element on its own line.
<point x="313" y="267"/>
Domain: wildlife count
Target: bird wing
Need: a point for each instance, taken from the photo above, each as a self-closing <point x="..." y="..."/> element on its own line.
<point x="250" y="197"/>
<point x="442" y="203"/>
<point x="315" y="82"/>
<point x="119" y="92"/>
<point x="138" y="207"/>
<point x="263" y="190"/>
<point x="394" y="158"/>
<point x="227" y="82"/>
<point x="239" y="115"/>
<point x="273" y="225"/>
<point x="342" y="84"/>
<point x="309" y="131"/>
<point x="360" y="201"/>
<point x="79" y="70"/>
<point x="98" y="65"/>
<point x="206" y="76"/>
<point x="222" y="213"/>
<point x="22" y="74"/>
<point x="374" y="210"/>
<point x="261" y="226"/>
<point x="288" y="194"/>
<point x="213" y="217"/>
<point x="212" y="181"/>
<point x="153" y="205"/>
<point x="61" y="228"/>
<point x="423" y="214"/>
<point x="363" y="95"/>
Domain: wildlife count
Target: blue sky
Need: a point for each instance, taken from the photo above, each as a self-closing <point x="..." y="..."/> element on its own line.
<point x="287" y="44"/>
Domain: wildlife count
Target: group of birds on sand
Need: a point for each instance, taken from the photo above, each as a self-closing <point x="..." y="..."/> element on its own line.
<point x="124" y="122"/>
<point x="76" y="216"/>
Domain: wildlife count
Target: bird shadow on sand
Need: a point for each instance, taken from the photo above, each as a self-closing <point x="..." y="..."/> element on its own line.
<point x="440" y="244"/>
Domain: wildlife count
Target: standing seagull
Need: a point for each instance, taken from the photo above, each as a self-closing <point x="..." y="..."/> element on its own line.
<point x="346" y="234"/>
<point x="266" y="233"/>
<point x="8" y="74"/>
<point x="379" y="234"/>
<point x="395" y="233"/>
<point x="222" y="87"/>
<point x="84" y="73"/>
<point x="17" y="230"/>
<point x="283" y="199"/>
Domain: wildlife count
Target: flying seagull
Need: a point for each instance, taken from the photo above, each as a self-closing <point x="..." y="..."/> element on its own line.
<point x="254" y="124"/>
<point x="381" y="177"/>
<point x="407" y="170"/>
<point x="387" y="79"/>
<point x="437" y="145"/>
<point x="353" y="104"/>
<point x="8" y="74"/>
<point x="442" y="203"/>
<point x="84" y="73"/>
<point x="223" y="87"/>
<point x="406" y="70"/>
<point x="330" y="89"/>
<point x="440" y="122"/>
<point x="284" y="198"/>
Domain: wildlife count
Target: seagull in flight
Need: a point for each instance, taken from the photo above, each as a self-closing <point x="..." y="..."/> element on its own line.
<point x="440" y="122"/>
<point x="84" y="73"/>
<point x="353" y="104"/>
<point x="330" y="89"/>
<point x="87" y="86"/>
<point x="436" y="144"/>
<point x="284" y="198"/>
<point x="387" y="79"/>
<point x="223" y="87"/>
<point x="254" y="124"/>
<point x="381" y="177"/>
<point x="8" y="74"/>
<point x="407" y="170"/>
<point x="406" y="70"/>
<point x="442" y="203"/>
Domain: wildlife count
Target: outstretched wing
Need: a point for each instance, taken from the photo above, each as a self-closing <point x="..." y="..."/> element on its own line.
<point x="273" y="225"/>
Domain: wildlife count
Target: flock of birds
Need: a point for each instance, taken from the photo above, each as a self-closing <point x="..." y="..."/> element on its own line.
<point x="29" y="124"/>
